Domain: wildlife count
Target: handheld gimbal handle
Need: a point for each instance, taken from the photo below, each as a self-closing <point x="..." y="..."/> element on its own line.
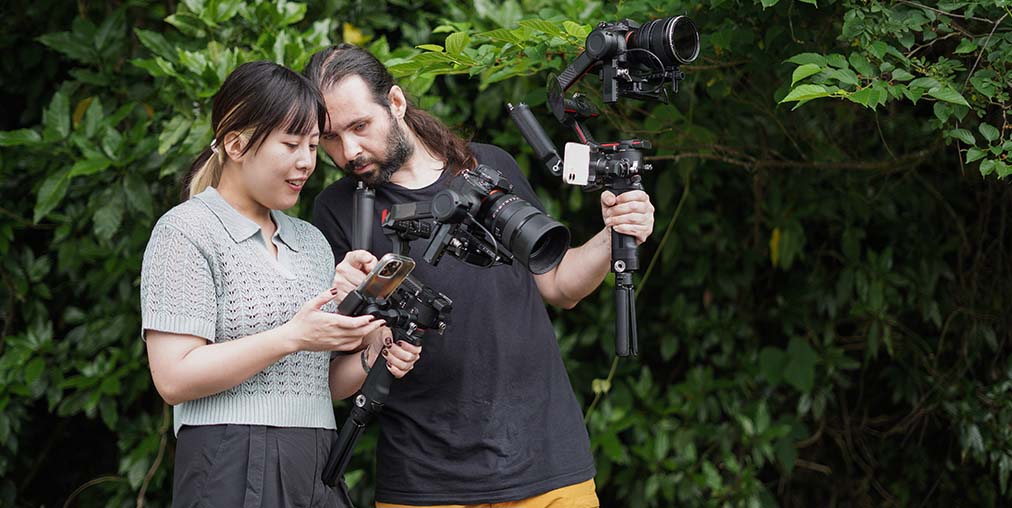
<point x="624" y="261"/>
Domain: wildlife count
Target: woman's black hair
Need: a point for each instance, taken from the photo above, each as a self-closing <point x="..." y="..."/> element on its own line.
<point x="255" y="99"/>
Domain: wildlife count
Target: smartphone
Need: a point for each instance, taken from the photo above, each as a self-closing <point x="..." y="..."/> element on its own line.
<point x="381" y="282"/>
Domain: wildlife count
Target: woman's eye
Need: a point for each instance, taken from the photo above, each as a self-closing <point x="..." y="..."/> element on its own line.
<point x="312" y="148"/>
<point x="292" y="145"/>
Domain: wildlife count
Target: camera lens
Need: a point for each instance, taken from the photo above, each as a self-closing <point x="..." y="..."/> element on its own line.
<point x="389" y="269"/>
<point x="535" y="239"/>
<point x="674" y="40"/>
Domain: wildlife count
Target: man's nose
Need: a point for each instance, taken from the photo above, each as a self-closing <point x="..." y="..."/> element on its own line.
<point x="352" y="149"/>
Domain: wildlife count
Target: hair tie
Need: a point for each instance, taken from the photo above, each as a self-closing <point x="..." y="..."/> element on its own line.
<point x="214" y="146"/>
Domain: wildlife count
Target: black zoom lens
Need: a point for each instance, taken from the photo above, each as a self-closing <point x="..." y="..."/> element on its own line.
<point x="674" y="40"/>
<point x="535" y="239"/>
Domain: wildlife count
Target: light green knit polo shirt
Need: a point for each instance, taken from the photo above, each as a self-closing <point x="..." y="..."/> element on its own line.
<point x="207" y="272"/>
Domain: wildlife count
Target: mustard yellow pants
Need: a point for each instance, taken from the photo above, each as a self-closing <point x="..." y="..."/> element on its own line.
<point x="581" y="495"/>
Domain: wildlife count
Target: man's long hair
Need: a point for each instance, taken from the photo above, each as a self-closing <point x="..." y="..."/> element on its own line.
<point x="329" y="66"/>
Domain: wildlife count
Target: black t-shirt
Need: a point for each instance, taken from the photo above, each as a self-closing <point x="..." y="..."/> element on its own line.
<point x="488" y="414"/>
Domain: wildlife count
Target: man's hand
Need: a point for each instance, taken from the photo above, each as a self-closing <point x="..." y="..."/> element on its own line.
<point x="351" y="271"/>
<point x="628" y="213"/>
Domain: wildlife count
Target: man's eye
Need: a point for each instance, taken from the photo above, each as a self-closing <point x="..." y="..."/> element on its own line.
<point x="360" y="127"/>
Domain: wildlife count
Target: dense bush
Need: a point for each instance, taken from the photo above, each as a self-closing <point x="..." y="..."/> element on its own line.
<point x="824" y="319"/>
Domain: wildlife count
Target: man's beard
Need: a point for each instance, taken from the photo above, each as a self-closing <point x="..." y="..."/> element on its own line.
<point x="398" y="151"/>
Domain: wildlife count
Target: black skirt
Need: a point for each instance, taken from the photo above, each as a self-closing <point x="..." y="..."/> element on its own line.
<point x="253" y="466"/>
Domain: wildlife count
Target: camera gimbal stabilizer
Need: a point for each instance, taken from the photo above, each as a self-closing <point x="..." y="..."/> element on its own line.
<point x="409" y="312"/>
<point x="633" y="61"/>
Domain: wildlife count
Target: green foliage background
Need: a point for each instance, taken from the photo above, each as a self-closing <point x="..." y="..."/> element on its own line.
<point x="825" y="315"/>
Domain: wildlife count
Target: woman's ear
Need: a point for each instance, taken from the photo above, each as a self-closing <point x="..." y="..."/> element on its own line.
<point x="398" y="102"/>
<point x="234" y="145"/>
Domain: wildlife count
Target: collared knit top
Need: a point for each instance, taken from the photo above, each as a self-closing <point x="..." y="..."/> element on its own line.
<point x="207" y="272"/>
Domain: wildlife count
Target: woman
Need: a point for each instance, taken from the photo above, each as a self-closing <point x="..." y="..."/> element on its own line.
<point x="236" y="302"/>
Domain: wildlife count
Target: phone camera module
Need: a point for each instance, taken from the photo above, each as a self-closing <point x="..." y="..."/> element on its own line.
<point x="390" y="269"/>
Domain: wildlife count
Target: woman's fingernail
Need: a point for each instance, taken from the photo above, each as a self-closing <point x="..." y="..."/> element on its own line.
<point x="333" y="291"/>
<point x="384" y="352"/>
<point x="389" y="341"/>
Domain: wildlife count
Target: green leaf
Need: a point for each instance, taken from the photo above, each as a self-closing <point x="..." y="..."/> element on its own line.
<point x="806" y="92"/>
<point x="808" y="58"/>
<point x="575" y="29"/>
<point x="962" y="135"/>
<point x="187" y="24"/>
<point x="974" y="154"/>
<point x="503" y="35"/>
<point x="989" y="132"/>
<point x="867" y="97"/>
<point x="34" y="370"/>
<point x="156" y="42"/>
<point x="56" y="118"/>
<point x="456" y="42"/>
<point x="291" y="12"/>
<point x="107" y="219"/>
<point x="19" y="137"/>
<point x="987" y="166"/>
<point x="836" y="60"/>
<point x="137" y="194"/>
<point x="50" y="194"/>
<point x="769" y="3"/>
<point x="948" y="95"/>
<point x="966" y="46"/>
<point x="771" y="364"/>
<point x="861" y="65"/>
<point x="804" y="71"/>
<point x="173" y="131"/>
<point x="431" y="47"/>
<point x="543" y="26"/>
<point x="927" y="83"/>
<point x="845" y="76"/>
<point x="711" y="477"/>
<point x="902" y="75"/>
<point x="800" y="369"/>
<point x="1002" y="169"/>
<point x="89" y="166"/>
<point x="93" y="117"/>
<point x="66" y="43"/>
<point x="879" y="49"/>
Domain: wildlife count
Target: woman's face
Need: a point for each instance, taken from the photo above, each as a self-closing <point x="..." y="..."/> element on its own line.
<point x="274" y="174"/>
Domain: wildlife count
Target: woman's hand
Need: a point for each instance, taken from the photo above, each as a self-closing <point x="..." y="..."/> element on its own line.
<point x="351" y="271"/>
<point x="313" y="329"/>
<point x="401" y="356"/>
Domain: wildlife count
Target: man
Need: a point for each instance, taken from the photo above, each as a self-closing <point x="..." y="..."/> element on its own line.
<point x="488" y="415"/>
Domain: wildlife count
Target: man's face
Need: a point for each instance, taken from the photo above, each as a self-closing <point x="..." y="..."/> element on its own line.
<point x="363" y="137"/>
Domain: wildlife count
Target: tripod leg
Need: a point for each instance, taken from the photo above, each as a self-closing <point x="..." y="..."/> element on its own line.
<point x="634" y="342"/>
<point x="621" y="320"/>
<point x="368" y="402"/>
<point x="340" y="452"/>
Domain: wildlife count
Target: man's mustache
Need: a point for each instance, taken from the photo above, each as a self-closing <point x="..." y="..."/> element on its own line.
<point x="354" y="165"/>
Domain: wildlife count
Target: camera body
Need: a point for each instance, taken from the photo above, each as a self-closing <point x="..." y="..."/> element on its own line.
<point x="474" y="193"/>
<point x="480" y="220"/>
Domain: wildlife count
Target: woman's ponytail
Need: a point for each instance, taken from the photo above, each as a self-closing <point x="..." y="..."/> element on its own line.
<point x="205" y="172"/>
